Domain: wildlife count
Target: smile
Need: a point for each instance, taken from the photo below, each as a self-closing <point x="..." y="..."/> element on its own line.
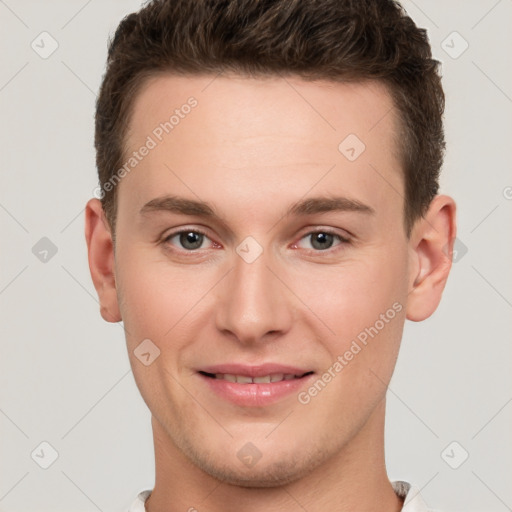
<point x="265" y="388"/>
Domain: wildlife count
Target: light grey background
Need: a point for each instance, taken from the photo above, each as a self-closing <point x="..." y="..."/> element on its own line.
<point x="64" y="372"/>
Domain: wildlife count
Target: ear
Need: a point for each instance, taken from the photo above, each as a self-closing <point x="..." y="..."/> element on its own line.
<point x="100" y="249"/>
<point x="430" y="250"/>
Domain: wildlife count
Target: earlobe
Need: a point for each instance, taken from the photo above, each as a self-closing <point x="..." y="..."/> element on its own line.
<point x="431" y="247"/>
<point x="100" y="251"/>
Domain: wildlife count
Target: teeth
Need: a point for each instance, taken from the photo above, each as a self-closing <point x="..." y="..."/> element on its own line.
<point x="265" y="379"/>
<point x="262" y="380"/>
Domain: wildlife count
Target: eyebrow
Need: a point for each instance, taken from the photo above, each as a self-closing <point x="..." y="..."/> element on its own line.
<point x="183" y="206"/>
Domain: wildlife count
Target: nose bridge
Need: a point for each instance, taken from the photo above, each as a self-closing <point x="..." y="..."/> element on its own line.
<point x="253" y="301"/>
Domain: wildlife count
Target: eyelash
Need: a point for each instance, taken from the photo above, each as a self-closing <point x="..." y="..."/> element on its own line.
<point x="330" y="250"/>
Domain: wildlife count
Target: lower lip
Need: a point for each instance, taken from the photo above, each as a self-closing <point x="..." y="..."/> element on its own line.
<point x="255" y="394"/>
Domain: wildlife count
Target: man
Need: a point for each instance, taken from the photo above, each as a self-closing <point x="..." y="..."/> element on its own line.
<point x="269" y="218"/>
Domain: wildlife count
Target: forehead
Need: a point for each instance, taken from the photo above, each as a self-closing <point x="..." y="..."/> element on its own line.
<point x="265" y="107"/>
<point x="241" y="132"/>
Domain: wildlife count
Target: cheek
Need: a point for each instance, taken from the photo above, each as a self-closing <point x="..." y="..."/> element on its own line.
<point x="374" y="318"/>
<point x="352" y="296"/>
<point x="154" y="297"/>
<point x="363" y="305"/>
<point x="156" y="304"/>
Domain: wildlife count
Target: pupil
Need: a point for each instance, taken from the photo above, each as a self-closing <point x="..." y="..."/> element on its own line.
<point x="322" y="240"/>
<point x="191" y="240"/>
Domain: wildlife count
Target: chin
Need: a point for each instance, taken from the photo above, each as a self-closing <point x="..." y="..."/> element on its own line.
<point x="283" y="469"/>
<point x="267" y="475"/>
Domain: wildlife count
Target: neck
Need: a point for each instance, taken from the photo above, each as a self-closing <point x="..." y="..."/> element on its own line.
<point x="353" y="479"/>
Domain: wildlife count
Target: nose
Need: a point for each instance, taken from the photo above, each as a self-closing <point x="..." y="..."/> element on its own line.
<point x="253" y="305"/>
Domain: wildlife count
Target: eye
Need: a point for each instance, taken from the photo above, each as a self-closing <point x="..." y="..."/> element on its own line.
<point x="322" y="240"/>
<point x="188" y="239"/>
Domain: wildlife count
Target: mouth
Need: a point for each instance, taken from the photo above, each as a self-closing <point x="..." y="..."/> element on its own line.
<point x="254" y="386"/>
<point x="247" y="379"/>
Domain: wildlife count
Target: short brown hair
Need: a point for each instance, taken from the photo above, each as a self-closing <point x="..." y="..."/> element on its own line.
<point x="338" y="40"/>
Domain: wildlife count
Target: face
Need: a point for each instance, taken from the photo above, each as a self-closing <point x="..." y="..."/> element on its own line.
<point x="261" y="250"/>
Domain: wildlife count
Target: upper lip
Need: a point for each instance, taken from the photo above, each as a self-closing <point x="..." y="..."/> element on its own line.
<point x="260" y="370"/>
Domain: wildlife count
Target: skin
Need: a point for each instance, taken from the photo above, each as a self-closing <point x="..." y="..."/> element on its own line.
<point x="251" y="149"/>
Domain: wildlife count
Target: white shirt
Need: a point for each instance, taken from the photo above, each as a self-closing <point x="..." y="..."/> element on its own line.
<point x="413" y="501"/>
